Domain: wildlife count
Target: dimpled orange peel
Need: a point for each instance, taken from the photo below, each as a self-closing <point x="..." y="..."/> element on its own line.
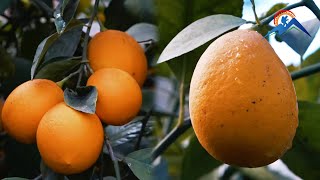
<point x="243" y="104"/>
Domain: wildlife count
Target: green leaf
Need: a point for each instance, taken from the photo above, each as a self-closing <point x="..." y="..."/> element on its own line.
<point x="140" y="164"/>
<point x="308" y="88"/>
<point x="83" y="99"/>
<point x="304" y="157"/>
<point x="46" y="44"/>
<point x="4" y="5"/>
<point x="199" y="33"/>
<point x="184" y="13"/>
<point x="65" y="45"/>
<point x="49" y="174"/>
<point x="64" y="13"/>
<point x="128" y="132"/>
<point x="57" y="68"/>
<point x="144" y="32"/>
<point x="197" y="162"/>
<point x="41" y="51"/>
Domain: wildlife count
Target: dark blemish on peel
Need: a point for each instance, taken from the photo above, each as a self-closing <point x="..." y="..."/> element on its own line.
<point x="221" y="125"/>
<point x="253" y="102"/>
<point x="278" y="93"/>
<point x="247" y="110"/>
<point x="260" y="99"/>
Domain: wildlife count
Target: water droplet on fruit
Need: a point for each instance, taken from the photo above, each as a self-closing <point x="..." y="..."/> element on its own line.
<point x="238" y="55"/>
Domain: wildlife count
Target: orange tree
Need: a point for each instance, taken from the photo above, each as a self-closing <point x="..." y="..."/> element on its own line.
<point x="137" y="90"/>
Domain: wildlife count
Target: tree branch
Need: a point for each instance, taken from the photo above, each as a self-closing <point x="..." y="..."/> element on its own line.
<point x="170" y="138"/>
<point x="313" y="7"/>
<point x="312" y="69"/>
<point x="268" y="19"/>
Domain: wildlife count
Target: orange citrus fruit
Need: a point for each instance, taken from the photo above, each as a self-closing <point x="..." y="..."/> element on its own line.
<point x="1" y="106"/>
<point x="25" y="106"/>
<point x="243" y="104"/>
<point x="69" y="141"/>
<point x="119" y="95"/>
<point x="116" y="49"/>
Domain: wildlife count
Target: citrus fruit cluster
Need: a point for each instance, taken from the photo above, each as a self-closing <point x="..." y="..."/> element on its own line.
<point x="70" y="141"/>
<point x="243" y="104"/>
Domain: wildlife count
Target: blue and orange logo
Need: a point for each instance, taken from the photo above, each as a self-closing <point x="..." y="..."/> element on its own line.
<point x="285" y="20"/>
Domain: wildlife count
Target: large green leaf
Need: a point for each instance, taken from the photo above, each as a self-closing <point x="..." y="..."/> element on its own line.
<point x="46" y="44"/>
<point x="173" y="16"/>
<point x="140" y="163"/>
<point x="197" y="161"/>
<point x="57" y="68"/>
<point x="65" y="45"/>
<point x="308" y="88"/>
<point x="199" y="33"/>
<point x="64" y="13"/>
<point x="304" y="157"/>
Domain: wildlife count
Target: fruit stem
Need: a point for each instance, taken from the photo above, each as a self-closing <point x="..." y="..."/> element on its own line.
<point x="113" y="158"/>
<point x="86" y="37"/>
<point x="102" y="27"/>
<point x="143" y="127"/>
<point x="255" y="13"/>
<point x="182" y="95"/>
<point x="85" y="44"/>
<point x="61" y="83"/>
<point x="170" y="138"/>
<point x="313" y="7"/>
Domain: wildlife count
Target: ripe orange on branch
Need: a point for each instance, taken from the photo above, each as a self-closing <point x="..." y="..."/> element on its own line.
<point x="116" y="49"/>
<point x="25" y="106"/>
<point x="69" y="141"/>
<point x="119" y="95"/>
<point x="243" y="104"/>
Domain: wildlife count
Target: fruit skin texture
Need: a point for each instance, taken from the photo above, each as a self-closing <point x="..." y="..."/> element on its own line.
<point x="119" y="95"/>
<point x="117" y="49"/>
<point x="243" y="104"/>
<point x="69" y="141"/>
<point x="25" y="106"/>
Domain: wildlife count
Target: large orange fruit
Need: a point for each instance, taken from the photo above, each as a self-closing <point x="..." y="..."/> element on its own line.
<point x="243" y="104"/>
<point x="69" y="141"/>
<point x="116" y="49"/>
<point x="119" y="95"/>
<point x="25" y="106"/>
